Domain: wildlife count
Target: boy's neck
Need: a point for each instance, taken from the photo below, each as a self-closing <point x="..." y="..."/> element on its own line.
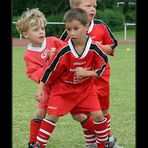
<point x="80" y="46"/>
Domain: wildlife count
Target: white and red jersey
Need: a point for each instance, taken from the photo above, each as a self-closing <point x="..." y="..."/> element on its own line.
<point x="63" y="65"/>
<point x="100" y="32"/>
<point x="36" y="58"/>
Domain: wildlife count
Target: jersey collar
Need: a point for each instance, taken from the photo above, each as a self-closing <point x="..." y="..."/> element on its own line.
<point x="86" y="48"/>
<point x="90" y="26"/>
<point x="38" y="49"/>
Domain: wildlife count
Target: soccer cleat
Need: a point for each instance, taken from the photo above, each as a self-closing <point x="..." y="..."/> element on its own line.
<point x="110" y="142"/>
<point x="93" y="145"/>
<point x="112" y="138"/>
<point x="30" y="145"/>
<point x="36" y="145"/>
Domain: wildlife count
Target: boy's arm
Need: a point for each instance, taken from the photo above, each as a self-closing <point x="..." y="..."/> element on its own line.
<point x="107" y="48"/>
<point x="33" y="70"/>
<point x="83" y="72"/>
<point x="40" y="92"/>
<point x="100" y="60"/>
<point x="109" y="42"/>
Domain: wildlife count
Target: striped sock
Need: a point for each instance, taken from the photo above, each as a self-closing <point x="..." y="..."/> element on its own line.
<point x="45" y="132"/>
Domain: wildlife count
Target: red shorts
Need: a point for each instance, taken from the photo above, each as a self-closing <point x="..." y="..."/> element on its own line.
<point x="65" y="98"/>
<point x="44" y="103"/>
<point x="103" y="89"/>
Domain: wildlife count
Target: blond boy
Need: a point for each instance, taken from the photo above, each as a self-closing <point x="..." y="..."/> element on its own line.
<point x="32" y="25"/>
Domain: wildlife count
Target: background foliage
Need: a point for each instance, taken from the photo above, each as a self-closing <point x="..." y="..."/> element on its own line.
<point x="107" y="10"/>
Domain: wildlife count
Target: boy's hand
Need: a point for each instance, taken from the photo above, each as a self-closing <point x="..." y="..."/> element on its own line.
<point x="39" y="96"/>
<point x="81" y="72"/>
<point x="84" y="72"/>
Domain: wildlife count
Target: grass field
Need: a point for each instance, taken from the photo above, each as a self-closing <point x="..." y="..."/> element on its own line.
<point x="68" y="133"/>
<point x="131" y="34"/>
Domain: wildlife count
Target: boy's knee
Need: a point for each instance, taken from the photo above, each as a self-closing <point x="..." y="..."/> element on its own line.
<point x="79" y="117"/>
<point x="105" y="112"/>
<point x="52" y="118"/>
<point x="40" y="114"/>
<point x="98" y="116"/>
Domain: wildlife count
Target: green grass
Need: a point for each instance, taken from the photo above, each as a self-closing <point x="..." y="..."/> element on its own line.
<point x="123" y="95"/>
<point x="68" y="133"/>
<point x="130" y="35"/>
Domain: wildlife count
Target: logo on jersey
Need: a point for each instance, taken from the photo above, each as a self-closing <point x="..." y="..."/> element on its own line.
<point x="79" y="63"/>
<point x="44" y="54"/>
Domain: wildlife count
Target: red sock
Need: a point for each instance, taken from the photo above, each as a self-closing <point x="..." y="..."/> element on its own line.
<point x="45" y="132"/>
<point x="88" y="130"/>
<point x="108" y="123"/>
<point x="34" y="128"/>
<point x="101" y="132"/>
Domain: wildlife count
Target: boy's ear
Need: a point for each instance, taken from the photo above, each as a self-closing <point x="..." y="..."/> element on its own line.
<point x="25" y="34"/>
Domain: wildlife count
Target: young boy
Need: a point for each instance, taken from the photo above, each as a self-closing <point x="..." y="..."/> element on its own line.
<point x="32" y="26"/>
<point x="71" y="72"/>
<point x="105" y="38"/>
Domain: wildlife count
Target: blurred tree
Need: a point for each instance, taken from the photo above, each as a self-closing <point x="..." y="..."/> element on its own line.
<point x="49" y="7"/>
<point x="129" y="11"/>
<point x="18" y="6"/>
<point x="103" y="4"/>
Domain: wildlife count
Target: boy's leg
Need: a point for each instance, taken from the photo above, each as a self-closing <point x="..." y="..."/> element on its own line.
<point x="100" y="128"/>
<point x="111" y="139"/>
<point x="88" y="130"/>
<point x="107" y="116"/>
<point x="91" y="131"/>
<point x="104" y="99"/>
<point x="101" y="133"/>
<point x="45" y="131"/>
<point x="40" y="115"/>
<point x="35" y="125"/>
<point x="34" y="128"/>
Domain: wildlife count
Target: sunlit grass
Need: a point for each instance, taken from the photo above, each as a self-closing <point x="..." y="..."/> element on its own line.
<point x="68" y="133"/>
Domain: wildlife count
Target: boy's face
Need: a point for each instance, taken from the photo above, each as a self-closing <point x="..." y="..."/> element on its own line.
<point x="35" y="33"/>
<point x="76" y="31"/>
<point x="89" y="6"/>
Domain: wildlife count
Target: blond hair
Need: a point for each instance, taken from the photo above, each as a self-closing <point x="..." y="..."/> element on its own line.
<point x="74" y="3"/>
<point x="30" y="17"/>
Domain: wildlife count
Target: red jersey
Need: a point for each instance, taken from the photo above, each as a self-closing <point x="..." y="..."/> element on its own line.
<point x="36" y="58"/>
<point x="70" y="93"/>
<point x="99" y="31"/>
<point x="66" y="61"/>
